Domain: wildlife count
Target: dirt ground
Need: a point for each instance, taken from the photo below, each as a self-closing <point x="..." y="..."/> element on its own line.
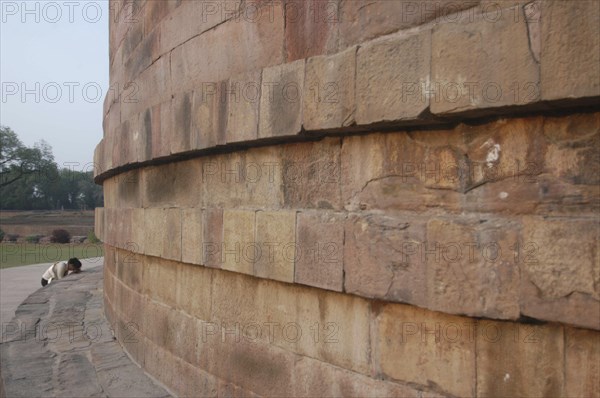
<point x="24" y="223"/>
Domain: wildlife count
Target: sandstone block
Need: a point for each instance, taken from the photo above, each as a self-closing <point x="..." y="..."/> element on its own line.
<point x="388" y="88"/>
<point x="138" y="230"/>
<point x="194" y="291"/>
<point x="311" y="28"/>
<point x="570" y="62"/>
<point x="311" y="174"/>
<point x="281" y="100"/>
<point x="237" y="45"/>
<point x="262" y="369"/>
<point x="99" y="223"/>
<point x="155" y="224"/>
<point x="390" y="269"/>
<point x="194" y="381"/>
<point x="361" y="20"/>
<point x="244" y="97"/>
<point x="130" y="269"/>
<point x="159" y="278"/>
<point x="320" y="243"/>
<point x="189" y="19"/>
<point x="209" y="116"/>
<point x="329" y="91"/>
<point x="482" y="76"/>
<point x="129" y="187"/>
<point x="171" y="245"/>
<point x="172" y="184"/>
<point x="559" y="268"/>
<point x="275" y="250"/>
<point x="314" y="378"/>
<point x="471" y="267"/>
<point x="582" y="363"/>
<point x="519" y="360"/>
<point x="237" y="250"/>
<point x="181" y="336"/>
<point x="250" y="178"/>
<point x="191" y="236"/>
<point x="181" y="125"/>
<point x="151" y="87"/>
<point x="212" y="237"/>
<point x="419" y="346"/>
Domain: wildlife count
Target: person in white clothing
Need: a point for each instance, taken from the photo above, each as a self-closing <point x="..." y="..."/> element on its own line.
<point x="60" y="269"/>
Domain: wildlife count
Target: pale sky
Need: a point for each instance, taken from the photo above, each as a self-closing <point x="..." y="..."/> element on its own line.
<point x="54" y="74"/>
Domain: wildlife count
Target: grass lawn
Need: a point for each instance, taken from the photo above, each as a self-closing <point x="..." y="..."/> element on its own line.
<point x="16" y="254"/>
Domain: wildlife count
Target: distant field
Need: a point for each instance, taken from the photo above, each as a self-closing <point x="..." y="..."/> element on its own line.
<point x="16" y="254"/>
<point x="26" y="223"/>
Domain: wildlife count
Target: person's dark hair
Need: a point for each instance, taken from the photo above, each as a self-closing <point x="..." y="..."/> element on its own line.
<point x="75" y="263"/>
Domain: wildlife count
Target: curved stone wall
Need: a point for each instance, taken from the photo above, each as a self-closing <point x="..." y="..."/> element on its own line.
<point x="354" y="198"/>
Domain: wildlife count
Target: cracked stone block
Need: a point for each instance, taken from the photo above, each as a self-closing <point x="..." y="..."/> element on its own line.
<point x="392" y="269"/>
<point x="428" y="348"/>
<point x="281" y="100"/>
<point x="320" y="241"/>
<point x="482" y="64"/>
<point x="329" y="91"/>
<point x="471" y="266"/>
<point x="362" y="20"/>
<point x="570" y="60"/>
<point x="509" y="360"/>
<point x="582" y="363"/>
<point x="388" y="88"/>
<point x="560" y="276"/>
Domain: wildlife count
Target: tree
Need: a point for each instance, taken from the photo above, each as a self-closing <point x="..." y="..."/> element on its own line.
<point x="18" y="161"/>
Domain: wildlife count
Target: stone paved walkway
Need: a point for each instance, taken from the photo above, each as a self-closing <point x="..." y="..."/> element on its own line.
<point x="60" y="345"/>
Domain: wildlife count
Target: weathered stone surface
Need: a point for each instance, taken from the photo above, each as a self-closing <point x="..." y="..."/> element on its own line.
<point x="320" y="243"/>
<point x="424" y="347"/>
<point x="472" y="266"/>
<point x="235" y="46"/>
<point x="130" y="269"/>
<point x="281" y="100"/>
<point x="393" y="269"/>
<point x="387" y="87"/>
<point x="159" y="278"/>
<point x="311" y="174"/>
<point x="570" y="62"/>
<point x="571" y="154"/>
<point x="509" y="360"/>
<point x="191" y="19"/>
<point x="362" y="20"/>
<point x="311" y="28"/>
<point x="181" y="124"/>
<point x="237" y="250"/>
<point x="250" y="179"/>
<point x="99" y="223"/>
<point x="209" y="115"/>
<point x="191" y="236"/>
<point x="560" y="274"/>
<point x="482" y="76"/>
<point x="244" y="98"/>
<point x="582" y="363"/>
<point x="212" y="237"/>
<point x="194" y="292"/>
<point x="276" y="249"/>
<point x="318" y="379"/>
<point x="329" y="91"/>
<point x="151" y="87"/>
<point x="77" y="345"/>
<point x="174" y="184"/>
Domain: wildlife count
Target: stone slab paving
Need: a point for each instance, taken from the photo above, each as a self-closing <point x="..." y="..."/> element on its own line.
<point x="59" y="344"/>
<point x="17" y="283"/>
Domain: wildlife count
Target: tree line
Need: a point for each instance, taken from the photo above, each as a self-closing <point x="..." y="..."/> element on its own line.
<point x="30" y="179"/>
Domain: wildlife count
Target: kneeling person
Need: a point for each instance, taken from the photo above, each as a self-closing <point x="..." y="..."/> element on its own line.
<point x="60" y="269"/>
